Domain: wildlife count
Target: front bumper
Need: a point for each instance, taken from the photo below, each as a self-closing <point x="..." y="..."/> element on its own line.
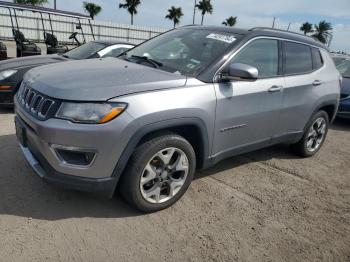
<point x="108" y="140"/>
<point x="103" y="186"/>
<point x="6" y="97"/>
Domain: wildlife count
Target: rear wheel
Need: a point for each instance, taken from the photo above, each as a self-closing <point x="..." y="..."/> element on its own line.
<point x="158" y="173"/>
<point x="314" y="135"/>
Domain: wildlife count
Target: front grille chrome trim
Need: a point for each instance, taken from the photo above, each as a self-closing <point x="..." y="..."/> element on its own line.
<point x="34" y="102"/>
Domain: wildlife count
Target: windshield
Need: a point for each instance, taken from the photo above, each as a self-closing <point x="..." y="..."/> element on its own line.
<point x="85" y="51"/>
<point x="344" y="68"/>
<point x="184" y="51"/>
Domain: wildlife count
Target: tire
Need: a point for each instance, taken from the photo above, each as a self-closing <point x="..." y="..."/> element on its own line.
<point x="301" y="148"/>
<point x="162" y="176"/>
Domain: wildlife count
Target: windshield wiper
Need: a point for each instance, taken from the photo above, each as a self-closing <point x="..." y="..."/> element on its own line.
<point x="153" y="62"/>
<point x="65" y="56"/>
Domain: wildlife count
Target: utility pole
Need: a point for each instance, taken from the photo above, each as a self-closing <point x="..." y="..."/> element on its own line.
<point x="289" y="26"/>
<point x="273" y="23"/>
<point x="194" y="11"/>
<point x="54" y="4"/>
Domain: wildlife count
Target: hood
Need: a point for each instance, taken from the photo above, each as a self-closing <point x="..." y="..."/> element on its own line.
<point x="99" y="79"/>
<point x="30" y="61"/>
<point x="346" y="86"/>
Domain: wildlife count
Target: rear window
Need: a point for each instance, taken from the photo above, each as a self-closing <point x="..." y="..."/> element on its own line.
<point x="316" y="58"/>
<point x="297" y="58"/>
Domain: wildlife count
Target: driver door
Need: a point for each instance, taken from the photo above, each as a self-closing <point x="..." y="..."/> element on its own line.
<point x="247" y="114"/>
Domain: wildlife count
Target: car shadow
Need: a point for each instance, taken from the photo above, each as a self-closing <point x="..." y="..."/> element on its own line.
<point x="275" y="152"/>
<point x="24" y="194"/>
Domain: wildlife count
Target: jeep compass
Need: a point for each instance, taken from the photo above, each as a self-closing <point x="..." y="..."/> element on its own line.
<point x="141" y="124"/>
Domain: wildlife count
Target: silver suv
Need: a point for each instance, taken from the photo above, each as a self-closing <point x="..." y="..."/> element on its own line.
<point x="143" y="123"/>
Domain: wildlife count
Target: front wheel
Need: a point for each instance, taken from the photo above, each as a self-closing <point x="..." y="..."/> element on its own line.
<point x="314" y="135"/>
<point x="158" y="173"/>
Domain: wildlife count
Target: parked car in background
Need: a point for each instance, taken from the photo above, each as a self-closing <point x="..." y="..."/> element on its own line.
<point x="13" y="70"/>
<point x="181" y="101"/>
<point x="343" y="65"/>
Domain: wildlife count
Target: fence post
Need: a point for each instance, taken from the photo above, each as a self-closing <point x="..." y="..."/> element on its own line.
<point x="37" y="30"/>
<point x="128" y="35"/>
<point x="99" y="32"/>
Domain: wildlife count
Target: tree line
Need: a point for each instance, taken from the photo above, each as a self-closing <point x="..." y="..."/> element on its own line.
<point x="321" y="31"/>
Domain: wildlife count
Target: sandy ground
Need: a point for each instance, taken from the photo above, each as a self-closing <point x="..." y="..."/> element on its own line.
<point x="263" y="206"/>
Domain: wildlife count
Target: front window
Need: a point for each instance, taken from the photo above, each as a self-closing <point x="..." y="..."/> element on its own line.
<point x="85" y="51"/>
<point x="261" y="54"/>
<point x="184" y="51"/>
<point x="344" y="68"/>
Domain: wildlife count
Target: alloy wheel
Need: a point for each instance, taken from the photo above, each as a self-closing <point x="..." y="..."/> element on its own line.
<point x="316" y="134"/>
<point x="164" y="175"/>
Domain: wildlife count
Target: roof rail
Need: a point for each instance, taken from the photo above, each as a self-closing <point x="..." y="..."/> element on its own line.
<point x="280" y="30"/>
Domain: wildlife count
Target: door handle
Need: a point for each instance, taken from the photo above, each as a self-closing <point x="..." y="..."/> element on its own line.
<point x="317" y="83"/>
<point x="275" y="89"/>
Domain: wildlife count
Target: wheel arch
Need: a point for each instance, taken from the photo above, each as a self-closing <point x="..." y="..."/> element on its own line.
<point x="192" y="129"/>
<point x="330" y="107"/>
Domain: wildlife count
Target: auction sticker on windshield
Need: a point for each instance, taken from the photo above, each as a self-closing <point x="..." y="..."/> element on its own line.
<point x="224" y="38"/>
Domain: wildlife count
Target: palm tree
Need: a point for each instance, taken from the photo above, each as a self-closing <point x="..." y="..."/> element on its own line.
<point x="174" y="14"/>
<point x="206" y="7"/>
<point x="31" y="2"/>
<point x="131" y="6"/>
<point x="306" y="28"/>
<point x="92" y="9"/>
<point x="323" y="31"/>
<point x="231" y="21"/>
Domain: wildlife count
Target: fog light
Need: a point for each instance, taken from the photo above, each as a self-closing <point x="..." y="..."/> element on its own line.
<point x="74" y="156"/>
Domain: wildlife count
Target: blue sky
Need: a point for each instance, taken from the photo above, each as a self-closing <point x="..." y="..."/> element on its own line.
<point x="250" y="13"/>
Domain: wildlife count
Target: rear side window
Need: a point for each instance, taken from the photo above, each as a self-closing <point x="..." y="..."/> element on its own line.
<point x="297" y="58"/>
<point x="316" y="58"/>
<point x="262" y="54"/>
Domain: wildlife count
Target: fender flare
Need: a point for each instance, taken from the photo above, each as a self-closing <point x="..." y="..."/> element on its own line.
<point x="333" y="103"/>
<point x="158" y="126"/>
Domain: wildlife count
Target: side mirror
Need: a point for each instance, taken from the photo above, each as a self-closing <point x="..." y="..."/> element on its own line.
<point x="78" y="27"/>
<point x="237" y="71"/>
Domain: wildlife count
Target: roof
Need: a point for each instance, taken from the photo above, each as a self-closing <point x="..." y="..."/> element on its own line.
<point x="264" y="31"/>
<point x="45" y="10"/>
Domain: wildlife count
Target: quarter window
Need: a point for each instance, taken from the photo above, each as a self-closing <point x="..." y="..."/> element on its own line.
<point x="262" y="54"/>
<point x="297" y="58"/>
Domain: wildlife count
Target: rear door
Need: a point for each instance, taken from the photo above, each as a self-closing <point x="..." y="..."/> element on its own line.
<point x="301" y="67"/>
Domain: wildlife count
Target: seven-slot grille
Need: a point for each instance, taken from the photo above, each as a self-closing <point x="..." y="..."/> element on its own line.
<point x="35" y="103"/>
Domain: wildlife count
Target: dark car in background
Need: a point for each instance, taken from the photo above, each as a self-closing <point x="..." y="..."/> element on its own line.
<point x="343" y="65"/>
<point x="13" y="70"/>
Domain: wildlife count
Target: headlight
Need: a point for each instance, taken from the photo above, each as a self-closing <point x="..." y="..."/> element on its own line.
<point x="7" y="73"/>
<point x="90" y="113"/>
